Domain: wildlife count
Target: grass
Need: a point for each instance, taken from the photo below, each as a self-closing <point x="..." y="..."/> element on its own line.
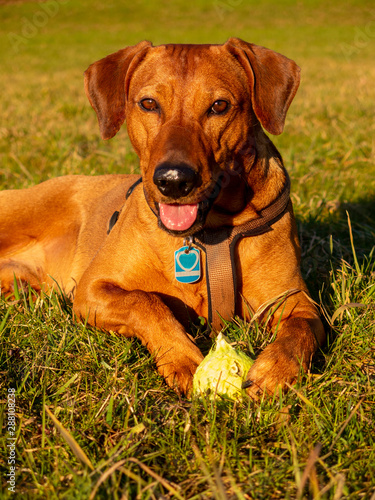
<point x="125" y="434"/>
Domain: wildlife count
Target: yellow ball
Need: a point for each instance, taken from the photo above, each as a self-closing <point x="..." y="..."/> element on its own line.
<point x="222" y="372"/>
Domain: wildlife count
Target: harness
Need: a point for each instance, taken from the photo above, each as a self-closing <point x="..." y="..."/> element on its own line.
<point x="115" y="215"/>
<point x="219" y="246"/>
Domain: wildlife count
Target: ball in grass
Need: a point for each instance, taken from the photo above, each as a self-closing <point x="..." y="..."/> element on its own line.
<point x="222" y="372"/>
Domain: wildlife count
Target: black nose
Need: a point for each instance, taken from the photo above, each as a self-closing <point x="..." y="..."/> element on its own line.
<point x="175" y="181"/>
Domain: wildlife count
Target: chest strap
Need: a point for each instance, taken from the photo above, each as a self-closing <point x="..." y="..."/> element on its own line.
<point x="115" y="215"/>
<point x="219" y="246"/>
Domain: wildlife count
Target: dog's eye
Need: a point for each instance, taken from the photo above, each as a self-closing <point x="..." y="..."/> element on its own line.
<point x="219" y="107"/>
<point x="149" y="105"/>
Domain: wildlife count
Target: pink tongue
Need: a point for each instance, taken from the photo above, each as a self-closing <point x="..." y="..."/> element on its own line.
<point x="178" y="217"/>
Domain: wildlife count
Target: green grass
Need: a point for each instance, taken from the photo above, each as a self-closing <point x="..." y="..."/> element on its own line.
<point x="140" y="439"/>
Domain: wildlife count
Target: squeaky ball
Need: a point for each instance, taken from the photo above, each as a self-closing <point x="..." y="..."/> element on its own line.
<point x="222" y="372"/>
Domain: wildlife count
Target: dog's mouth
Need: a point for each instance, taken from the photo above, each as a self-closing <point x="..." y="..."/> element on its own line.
<point x="183" y="220"/>
<point x="186" y="219"/>
<point x="178" y="217"/>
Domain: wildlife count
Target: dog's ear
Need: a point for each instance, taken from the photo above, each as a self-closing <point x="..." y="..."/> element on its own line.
<point x="105" y="86"/>
<point x="273" y="79"/>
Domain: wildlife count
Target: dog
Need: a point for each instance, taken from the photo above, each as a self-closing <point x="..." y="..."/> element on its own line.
<point x="206" y="231"/>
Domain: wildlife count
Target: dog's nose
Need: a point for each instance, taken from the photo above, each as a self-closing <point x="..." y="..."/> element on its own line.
<point x="175" y="181"/>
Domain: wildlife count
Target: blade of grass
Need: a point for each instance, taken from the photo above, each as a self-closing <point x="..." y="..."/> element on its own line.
<point x="74" y="446"/>
<point x="311" y="461"/>
<point x="66" y="385"/>
<point x="343" y="308"/>
<point x="344" y="425"/>
<point x="106" y="474"/>
<point x="5" y="319"/>
<point x="172" y="490"/>
<point x="217" y="486"/>
<point x="305" y="400"/>
<point x="357" y="267"/>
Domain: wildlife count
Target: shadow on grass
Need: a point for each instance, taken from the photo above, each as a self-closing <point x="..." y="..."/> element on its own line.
<point x="326" y="245"/>
<point x="325" y="240"/>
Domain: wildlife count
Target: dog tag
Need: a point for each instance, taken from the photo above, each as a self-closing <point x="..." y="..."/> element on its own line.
<point x="187" y="264"/>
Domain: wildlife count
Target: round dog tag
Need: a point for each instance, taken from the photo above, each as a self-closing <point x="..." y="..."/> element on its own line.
<point x="187" y="264"/>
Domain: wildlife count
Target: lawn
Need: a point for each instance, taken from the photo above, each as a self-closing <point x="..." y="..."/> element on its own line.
<point x="93" y="419"/>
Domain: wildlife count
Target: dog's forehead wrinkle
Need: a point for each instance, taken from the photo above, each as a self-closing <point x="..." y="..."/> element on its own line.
<point x="186" y="59"/>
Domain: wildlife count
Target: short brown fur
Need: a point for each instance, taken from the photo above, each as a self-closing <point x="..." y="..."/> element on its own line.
<point x="124" y="281"/>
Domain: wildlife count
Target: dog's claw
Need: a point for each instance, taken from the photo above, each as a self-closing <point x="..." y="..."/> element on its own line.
<point x="247" y="383"/>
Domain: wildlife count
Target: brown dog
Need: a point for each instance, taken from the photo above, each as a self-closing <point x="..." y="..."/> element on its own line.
<point x="209" y="175"/>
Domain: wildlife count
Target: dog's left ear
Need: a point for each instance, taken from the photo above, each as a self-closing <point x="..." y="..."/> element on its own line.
<point x="105" y="86"/>
<point x="273" y="78"/>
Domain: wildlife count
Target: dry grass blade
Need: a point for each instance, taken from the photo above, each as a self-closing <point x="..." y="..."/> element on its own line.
<point x="358" y="269"/>
<point x="119" y="401"/>
<point x="156" y="476"/>
<point x="344" y="307"/>
<point x="216" y="483"/>
<point x="344" y="425"/>
<point x="340" y="482"/>
<point x="305" y="400"/>
<point x="74" y="446"/>
<point x="310" y="465"/>
<point x="110" y="471"/>
<point x="278" y="300"/>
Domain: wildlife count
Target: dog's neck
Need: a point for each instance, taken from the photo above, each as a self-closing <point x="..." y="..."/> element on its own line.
<point x="252" y="188"/>
<point x="266" y="176"/>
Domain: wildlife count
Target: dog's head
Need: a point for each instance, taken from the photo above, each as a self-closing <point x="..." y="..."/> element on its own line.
<point x="192" y="113"/>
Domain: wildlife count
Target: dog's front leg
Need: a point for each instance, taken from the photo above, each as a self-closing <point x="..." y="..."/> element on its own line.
<point x="289" y="355"/>
<point x="144" y="315"/>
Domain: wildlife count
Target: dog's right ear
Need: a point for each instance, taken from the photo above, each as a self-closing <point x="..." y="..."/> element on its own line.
<point x="105" y="86"/>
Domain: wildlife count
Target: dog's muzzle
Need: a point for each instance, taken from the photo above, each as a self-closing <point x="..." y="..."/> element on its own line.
<point x="177" y="182"/>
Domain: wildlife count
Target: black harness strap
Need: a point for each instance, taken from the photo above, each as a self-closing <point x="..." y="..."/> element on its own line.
<point x="115" y="215"/>
<point x="132" y="187"/>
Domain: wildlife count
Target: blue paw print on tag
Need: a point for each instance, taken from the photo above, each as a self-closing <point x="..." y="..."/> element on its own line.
<point x="187" y="265"/>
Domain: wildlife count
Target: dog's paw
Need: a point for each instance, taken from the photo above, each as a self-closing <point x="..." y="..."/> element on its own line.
<point x="277" y="366"/>
<point x="178" y="371"/>
<point x="11" y="290"/>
